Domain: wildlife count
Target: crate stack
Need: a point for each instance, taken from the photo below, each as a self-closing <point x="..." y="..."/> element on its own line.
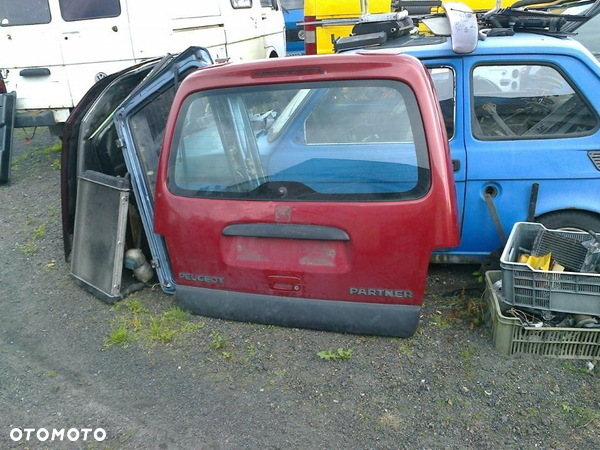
<point x="568" y="291"/>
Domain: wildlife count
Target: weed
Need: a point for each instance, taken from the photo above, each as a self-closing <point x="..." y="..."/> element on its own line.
<point x="566" y="408"/>
<point x="56" y="148"/>
<point x="159" y="331"/>
<point x="40" y="231"/>
<point x="51" y="374"/>
<point x="119" y="336"/>
<point x="440" y="321"/>
<point x="532" y="412"/>
<point x="340" y="353"/>
<point x="134" y="305"/>
<point x="406" y="348"/>
<point x="467" y="357"/>
<point x="175" y="314"/>
<point x="576" y="370"/>
<point x="226" y="355"/>
<point x="29" y="248"/>
<point x="136" y="323"/>
<point x="191" y="327"/>
<point x="478" y="276"/>
<point x="218" y="341"/>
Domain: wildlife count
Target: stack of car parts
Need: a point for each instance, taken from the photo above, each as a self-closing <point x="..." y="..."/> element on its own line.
<point x="562" y="284"/>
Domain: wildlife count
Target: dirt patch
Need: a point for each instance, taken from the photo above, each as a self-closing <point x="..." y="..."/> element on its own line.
<point x="155" y="377"/>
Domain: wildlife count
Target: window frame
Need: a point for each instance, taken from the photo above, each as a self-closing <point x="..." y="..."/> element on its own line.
<point x="529" y="62"/>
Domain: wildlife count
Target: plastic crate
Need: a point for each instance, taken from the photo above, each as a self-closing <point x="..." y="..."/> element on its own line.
<point x="511" y="336"/>
<point x="570" y="292"/>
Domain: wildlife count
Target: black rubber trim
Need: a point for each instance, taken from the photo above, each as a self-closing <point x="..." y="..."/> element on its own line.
<point x="327" y="315"/>
<point x="286" y="231"/>
<point x="37" y="72"/>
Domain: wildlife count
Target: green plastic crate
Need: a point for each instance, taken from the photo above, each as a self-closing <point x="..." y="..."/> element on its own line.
<point x="511" y="336"/>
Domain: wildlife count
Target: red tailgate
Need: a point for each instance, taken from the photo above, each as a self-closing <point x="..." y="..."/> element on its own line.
<point x="294" y="191"/>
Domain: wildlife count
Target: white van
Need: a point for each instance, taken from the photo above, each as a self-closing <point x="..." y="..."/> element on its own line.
<point x="52" y="51"/>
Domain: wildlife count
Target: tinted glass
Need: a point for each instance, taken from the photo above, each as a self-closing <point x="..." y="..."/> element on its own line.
<point x="527" y="101"/>
<point x="89" y="9"/>
<point x="24" y="12"/>
<point x="322" y="141"/>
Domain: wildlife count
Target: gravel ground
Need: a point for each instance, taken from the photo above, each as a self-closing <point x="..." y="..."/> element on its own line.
<point x="154" y="378"/>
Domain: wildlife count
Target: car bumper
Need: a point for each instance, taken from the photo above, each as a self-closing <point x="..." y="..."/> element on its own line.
<point x="327" y="315"/>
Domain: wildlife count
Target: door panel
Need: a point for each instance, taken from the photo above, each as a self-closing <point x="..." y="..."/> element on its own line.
<point x="530" y="123"/>
<point x="94" y="32"/>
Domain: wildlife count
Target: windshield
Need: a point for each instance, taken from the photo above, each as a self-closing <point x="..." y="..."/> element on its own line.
<point x="321" y="141"/>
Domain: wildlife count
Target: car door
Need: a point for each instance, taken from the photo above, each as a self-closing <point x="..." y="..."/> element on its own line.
<point x="31" y="56"/>
<point x="272" y="24"/>
<point x="532" y="120"/>
<point x="447" y="76"/>
<point x="95" y="41"/>
<point x="284" y="195"/>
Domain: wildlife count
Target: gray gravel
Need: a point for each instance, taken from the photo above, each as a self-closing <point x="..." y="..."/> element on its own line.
<point x="265" y="387"/>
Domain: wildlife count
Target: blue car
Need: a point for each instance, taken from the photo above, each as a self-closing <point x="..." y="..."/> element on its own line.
<point x="293" y="12"/>
<point x="522" y="116"/>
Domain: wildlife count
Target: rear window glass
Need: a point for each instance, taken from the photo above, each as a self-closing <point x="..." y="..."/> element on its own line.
<point x="72" y="10"/>
<point x="24" y="12"/>
<point x="527" y="101"/>
<point x="339" y="141"/>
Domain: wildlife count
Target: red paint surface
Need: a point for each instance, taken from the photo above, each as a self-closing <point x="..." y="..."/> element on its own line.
<point x="390" y="242"/>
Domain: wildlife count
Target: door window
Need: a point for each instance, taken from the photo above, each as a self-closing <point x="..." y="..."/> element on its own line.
<point x="72" y="10"/>
<point x="445" y="87"/>
<point x="24" y="12"/>
<point x="324" y="141"/>
<point x="527" y="101"/>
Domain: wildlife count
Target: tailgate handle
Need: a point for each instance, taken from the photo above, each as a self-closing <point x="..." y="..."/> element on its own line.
<point x="284" y="283"/>
<point x="286" y="231"/>
<point x="37" y="72"/>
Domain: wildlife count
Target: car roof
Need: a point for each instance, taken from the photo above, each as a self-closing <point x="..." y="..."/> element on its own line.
<point x="425" y="47"/>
